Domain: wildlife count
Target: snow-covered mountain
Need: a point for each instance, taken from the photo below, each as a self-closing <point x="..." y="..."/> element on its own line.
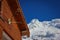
<point x="46" y="30"/>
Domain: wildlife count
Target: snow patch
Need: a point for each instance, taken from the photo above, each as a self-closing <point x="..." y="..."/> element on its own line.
<point x="46" y="30"/>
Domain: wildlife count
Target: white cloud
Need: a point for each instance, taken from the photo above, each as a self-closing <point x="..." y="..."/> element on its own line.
<point x="46" y="30"/>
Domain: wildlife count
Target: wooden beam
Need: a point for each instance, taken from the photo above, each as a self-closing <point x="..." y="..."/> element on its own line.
<point x="18" y="16"/>
<point x="12" y="20"/>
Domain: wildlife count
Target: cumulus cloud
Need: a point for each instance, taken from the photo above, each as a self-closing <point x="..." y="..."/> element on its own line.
<point x="46" y="30"/>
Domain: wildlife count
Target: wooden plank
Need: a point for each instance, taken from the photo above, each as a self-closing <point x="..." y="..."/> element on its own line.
<point x="13" y="33"/>
<point x="0" y="26"/>
<point x="1" y="33"/>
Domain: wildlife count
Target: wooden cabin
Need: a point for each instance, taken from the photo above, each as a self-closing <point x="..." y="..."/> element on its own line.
<point x="12" y="21"/>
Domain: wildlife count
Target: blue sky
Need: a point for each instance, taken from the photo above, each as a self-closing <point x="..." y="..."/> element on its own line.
<point x="40" y="9"/>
